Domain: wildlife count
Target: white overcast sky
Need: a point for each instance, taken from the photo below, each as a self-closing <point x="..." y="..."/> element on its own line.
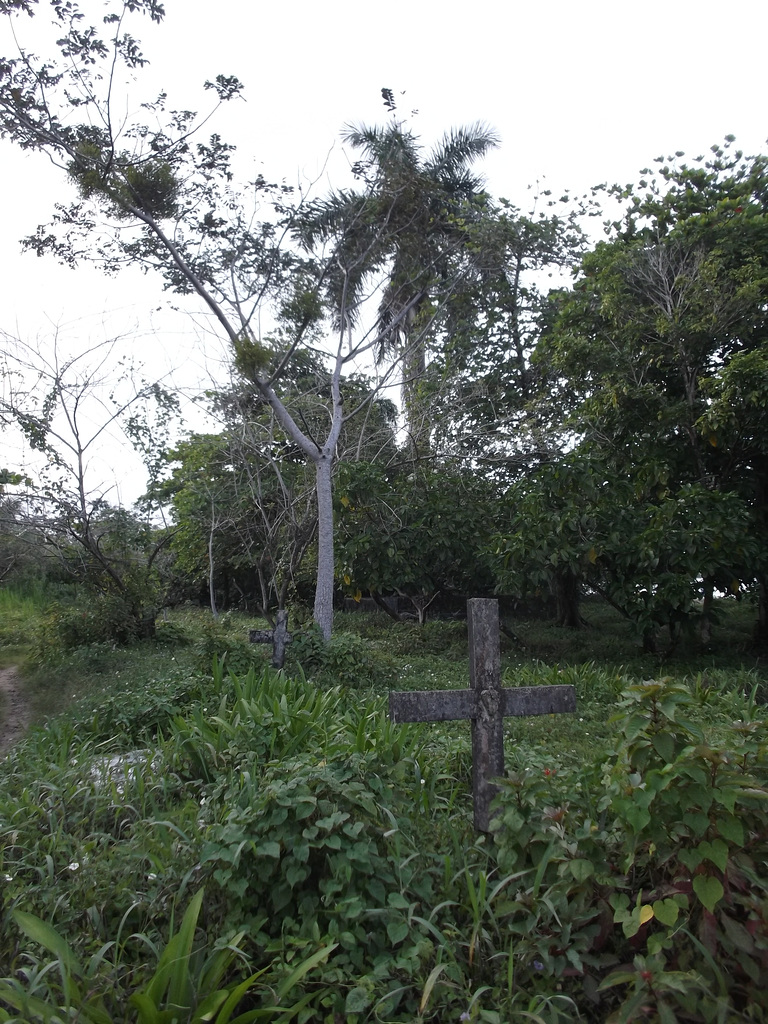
<point x="580" y="92"/>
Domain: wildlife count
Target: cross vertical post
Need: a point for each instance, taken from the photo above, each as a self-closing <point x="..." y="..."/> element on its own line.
<point x="488" y="721"/>
<point x="278" y="637"/>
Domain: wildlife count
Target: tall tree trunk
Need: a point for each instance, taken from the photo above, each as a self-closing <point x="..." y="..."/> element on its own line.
<point x="323" y="613"/>
<point x="706" y="610"/>
<point x="414" y="362"/>
<point x="211" y="588"/>
<point x="761" y="626"/>
<point x="565" y="586"/>
<point x="761" y="525"/>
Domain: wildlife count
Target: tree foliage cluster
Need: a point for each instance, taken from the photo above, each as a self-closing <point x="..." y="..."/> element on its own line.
<point x="607" y="437"/>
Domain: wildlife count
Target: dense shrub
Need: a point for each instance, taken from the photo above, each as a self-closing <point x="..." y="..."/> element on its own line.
<point x="645" y="873"/>
<point x="230" y="646"/>
<point x="64" y="627"/>
<point x="346" y="659"/>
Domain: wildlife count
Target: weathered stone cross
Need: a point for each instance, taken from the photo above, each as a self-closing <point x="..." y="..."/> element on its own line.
<point x="278" y="637"/>
<point x="487" y="703"/>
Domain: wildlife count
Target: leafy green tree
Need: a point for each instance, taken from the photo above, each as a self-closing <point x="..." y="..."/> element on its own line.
<point x="734" y="425"/>
<point x="576" y="524"/>
<point x="662" y="319"/>
<point x="242" y="521"/>
<point x="482" y="387"/>
<point x="414" y="531"/>
<point x="23" y="557"/>
<point x="243" y="500"/>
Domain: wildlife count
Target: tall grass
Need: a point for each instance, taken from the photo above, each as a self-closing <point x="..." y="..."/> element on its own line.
<point x="327" y="856"/>
<point x="19" y="611"/>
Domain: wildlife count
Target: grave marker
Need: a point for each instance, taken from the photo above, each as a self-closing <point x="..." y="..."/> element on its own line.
<point x="278" y="637"/>
<point x="486" y="703"/>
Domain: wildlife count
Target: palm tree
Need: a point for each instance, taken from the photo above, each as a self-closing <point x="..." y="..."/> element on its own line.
<point x="406" y="224"/>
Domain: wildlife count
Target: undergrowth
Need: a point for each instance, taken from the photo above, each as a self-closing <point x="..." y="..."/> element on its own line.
<point x="252" y="845"/>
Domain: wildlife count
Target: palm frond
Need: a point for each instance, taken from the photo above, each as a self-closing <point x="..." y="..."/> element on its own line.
<point x="385" y="147"/>
<point x="326" y="218"/>
<point x="460" y="147"/>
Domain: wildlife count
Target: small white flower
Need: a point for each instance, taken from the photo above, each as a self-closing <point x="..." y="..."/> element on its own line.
<point x="151" y="876"/>
<point x="73" y="866"/>
<point x="7" y="878"/>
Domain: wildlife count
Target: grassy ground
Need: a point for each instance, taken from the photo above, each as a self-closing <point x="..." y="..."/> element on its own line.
<point x="405" y="656"/>
<point x="333" y="852"/>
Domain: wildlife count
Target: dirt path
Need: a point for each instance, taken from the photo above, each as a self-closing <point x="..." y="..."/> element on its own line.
<point x="15" y="712"/>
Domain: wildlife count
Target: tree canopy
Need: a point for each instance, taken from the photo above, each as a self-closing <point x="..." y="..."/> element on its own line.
<point x="604" y="438"/>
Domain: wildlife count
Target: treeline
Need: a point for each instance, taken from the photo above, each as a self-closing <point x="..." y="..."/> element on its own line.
<point x="608" y="437"/>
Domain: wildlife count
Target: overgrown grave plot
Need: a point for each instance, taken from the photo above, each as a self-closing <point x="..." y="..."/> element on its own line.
<point x="282" y="757"/>
<point x="486" y="704"/>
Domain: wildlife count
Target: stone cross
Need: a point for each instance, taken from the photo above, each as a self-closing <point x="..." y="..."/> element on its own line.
<point x="278" y="637"/>
<point x="486" y="703"/>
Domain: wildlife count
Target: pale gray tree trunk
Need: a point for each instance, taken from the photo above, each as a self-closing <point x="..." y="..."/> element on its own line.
<point x="211" y="588"/>
<point x="323" y="613"/>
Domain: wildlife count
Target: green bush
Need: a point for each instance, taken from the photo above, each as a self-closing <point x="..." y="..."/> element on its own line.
<point x="217" y="640"/>
<point x="645" y="875"/>
<point x="345" y="659"/>
<point x="624" y="881"/>
<point x="98" y="620"/>
<point x="407" y="639"/>
<point x="191" y="979"/>
<point x="173" y="633"/>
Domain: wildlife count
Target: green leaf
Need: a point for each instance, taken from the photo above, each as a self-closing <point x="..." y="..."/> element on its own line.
<point x="666" y="912"/>
<point x="224" y="1015"/>
<point x="41" y="932"/>
<point x="397" y="931"/>
<point x="730" y="828"/>
<point x="709" y="890"/>
<point x="697" y="821"/>
<point x="296" y="873"/>
<point x="737" y="933"/>
<point x="716" y="852"/>
<point x="148" y="1012"/>
<point x="637" y="817"/>
<point x="664" y="745"/>
<point x="304" y="807"/>
<point x="434" y="974"/>
<point x="581" y="869"/>
<point x="398" y="901"/>
<point x="26" y="1003"/>
<point x="358" y="999"/>
<point x="304" y="967"/>
<point x="268" y="849"/>
<point x="691" y="858"/>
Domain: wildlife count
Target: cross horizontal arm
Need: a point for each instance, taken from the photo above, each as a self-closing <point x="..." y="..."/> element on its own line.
<point x="538" y="700"/>
<point x="452" y="705"/>
<point x="261" y="636"/>
<point x="432" y="705"/>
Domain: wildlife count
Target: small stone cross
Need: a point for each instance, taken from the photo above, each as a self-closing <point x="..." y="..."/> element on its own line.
<point x="486" y="703"/>
<point x="278" y="637"/>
